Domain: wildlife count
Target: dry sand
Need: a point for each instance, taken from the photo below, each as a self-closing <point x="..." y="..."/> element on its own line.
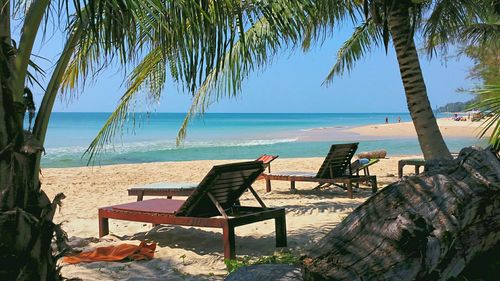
<point x="186" y="253"/>
<point x="448" y="127"/>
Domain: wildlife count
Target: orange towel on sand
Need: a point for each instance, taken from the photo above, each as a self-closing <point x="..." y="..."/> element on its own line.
<point x="115" y="253"/>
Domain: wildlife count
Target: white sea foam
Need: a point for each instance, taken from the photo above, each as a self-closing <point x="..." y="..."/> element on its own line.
<point x="316" y="129"/>
<point x="265" y="142"/>
<point x="146" y="146"/>
<point x="323" y="128"/>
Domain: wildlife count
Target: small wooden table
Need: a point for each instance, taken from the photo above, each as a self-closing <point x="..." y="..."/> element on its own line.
<point x="162" y="189"/>
<point x="417" y="162"/>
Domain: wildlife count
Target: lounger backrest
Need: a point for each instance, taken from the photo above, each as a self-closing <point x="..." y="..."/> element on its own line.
<point x="337" y="161"/>
<point x="226" y="183"/>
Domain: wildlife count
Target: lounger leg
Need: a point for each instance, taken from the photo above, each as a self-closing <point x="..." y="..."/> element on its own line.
<point x="400" y="170"/>
<point x="292" y="185"/>
<point x="268" y="185"/>
<point x="417" y="169"/>
<point x="103" y="226"/>
<point x="349" y="189"/>
<point x="140" y="196"/>
<point x="229" y="245"/>
<point x="280" y="224"/>
<point x="374" y="185"/>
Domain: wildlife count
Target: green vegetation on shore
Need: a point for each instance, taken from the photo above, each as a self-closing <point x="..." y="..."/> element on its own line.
<point x="455" y="106"/>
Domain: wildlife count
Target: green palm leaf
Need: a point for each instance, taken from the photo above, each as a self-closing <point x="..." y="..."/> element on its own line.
<point x="489" y="104"/>
<point x="364" y="38"/>
<point x="148" y="77"/>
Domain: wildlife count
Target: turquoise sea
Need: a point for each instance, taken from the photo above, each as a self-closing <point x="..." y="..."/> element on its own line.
<point x="151" y="137"/>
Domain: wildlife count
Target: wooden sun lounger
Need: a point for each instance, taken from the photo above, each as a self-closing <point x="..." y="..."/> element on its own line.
<point x="332" y="171"/>
<point x="181" y="189"/>
<point x="212" y="204"/>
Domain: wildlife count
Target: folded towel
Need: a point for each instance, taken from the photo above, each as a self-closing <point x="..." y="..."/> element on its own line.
<point x="121" y="252"/>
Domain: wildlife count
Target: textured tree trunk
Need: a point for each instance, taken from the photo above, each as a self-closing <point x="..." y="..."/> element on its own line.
<point x="430" y="139"/>
<point x="425" y="227"/>
<point x="26" y="228"/>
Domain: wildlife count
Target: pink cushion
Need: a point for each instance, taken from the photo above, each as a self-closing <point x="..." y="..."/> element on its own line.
<point x="162" y="206"/>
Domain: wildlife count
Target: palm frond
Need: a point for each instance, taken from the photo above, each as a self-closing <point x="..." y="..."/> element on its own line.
<point x="36" y="71"/>
<point x="262" y="43"/>
<point x="364" y="38"/>
<point x="483" y="34"/>
<point x="447" y="20"/>
<point x="325" y="17"/>
<point x="282" y="27"/>
<point x="149" y="75"/>
<point x="489" y="104"/>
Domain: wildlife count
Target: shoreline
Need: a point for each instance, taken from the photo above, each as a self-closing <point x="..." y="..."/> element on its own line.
<point x="398" y="139"/>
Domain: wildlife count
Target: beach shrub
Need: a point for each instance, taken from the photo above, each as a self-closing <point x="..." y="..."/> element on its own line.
<point x="278" y="258"/>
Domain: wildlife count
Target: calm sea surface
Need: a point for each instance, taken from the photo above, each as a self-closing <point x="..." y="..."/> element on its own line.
<point x="151" y="137"/>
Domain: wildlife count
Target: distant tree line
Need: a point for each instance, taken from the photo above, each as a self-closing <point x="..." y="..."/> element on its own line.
<point x="456" y="106"/>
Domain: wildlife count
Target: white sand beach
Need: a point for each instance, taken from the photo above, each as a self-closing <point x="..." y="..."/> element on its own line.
<point x="448" y="127"/>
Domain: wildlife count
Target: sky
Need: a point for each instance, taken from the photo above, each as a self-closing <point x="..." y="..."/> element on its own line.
<point x="291" y="84"/>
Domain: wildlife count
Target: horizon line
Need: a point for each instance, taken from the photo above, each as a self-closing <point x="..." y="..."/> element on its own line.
<point x="149" y="112"/>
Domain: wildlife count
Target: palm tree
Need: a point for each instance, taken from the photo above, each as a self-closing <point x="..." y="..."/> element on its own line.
<point x="188" y="35"/>
<point x="26" y="213"/>
<point x="378" y="21"/>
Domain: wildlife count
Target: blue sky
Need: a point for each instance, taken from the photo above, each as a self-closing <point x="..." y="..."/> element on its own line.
<point x="291" y="84"/>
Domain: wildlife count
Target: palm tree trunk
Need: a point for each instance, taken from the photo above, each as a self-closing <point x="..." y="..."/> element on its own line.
<point x="26" y="227"/>
<point x="430" y="138"/>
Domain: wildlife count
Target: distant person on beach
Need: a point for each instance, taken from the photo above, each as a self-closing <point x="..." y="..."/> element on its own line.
<point x="399" y="119"/>
<point x="386" y="120"/>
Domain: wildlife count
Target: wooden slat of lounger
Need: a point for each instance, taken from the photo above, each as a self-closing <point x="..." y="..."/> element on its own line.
<point x="227" y="186"/>
<point x="235" y="175"/>
<point x="230" y="181"/>
<point x="223" y="196"/>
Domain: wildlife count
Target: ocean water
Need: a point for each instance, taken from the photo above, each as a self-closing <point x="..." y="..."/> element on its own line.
<point x="151" y="137"/>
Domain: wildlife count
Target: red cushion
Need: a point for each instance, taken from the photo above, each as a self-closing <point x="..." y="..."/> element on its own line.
<point x="266" y="158"/>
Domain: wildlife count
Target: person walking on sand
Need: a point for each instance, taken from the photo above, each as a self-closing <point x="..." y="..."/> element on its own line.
<point x="399" y="119"/>
<point x="386" y="120"/>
